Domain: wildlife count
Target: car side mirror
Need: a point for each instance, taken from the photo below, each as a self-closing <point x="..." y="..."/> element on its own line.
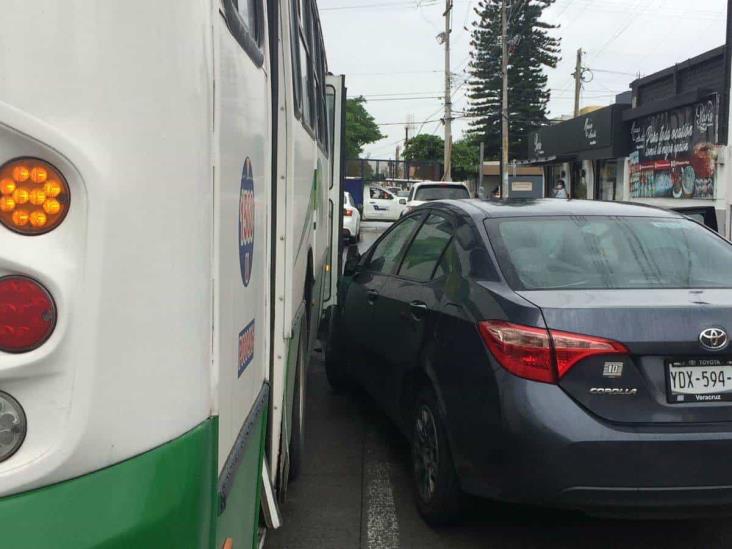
<point x="353" y="258"/>
<point x="403" y="201"/>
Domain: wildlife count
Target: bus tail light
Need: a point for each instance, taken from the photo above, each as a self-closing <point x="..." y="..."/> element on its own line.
<point x="34" y="196"/>
<point x="348" y="212"/>
<point x="13" y="426"/>
<point x="27" y="314"/>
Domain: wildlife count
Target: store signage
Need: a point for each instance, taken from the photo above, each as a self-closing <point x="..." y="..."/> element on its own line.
<point x="590" y="132"/>
<point x="522" y="186"/>
<point x="675" y="152"/>
<point x="586" y="134"/>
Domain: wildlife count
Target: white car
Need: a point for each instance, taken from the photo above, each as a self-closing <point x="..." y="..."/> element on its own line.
<point x="381" y="205"/>
<point x="426" y="191"/>
<point x="351" y="219"/>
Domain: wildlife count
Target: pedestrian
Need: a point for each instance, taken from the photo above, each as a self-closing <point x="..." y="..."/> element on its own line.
<point x="559" y="190"/>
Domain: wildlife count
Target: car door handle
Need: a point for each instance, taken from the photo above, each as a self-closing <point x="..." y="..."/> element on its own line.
<point x="419" y="309"/>
<point x="373" y="295"/>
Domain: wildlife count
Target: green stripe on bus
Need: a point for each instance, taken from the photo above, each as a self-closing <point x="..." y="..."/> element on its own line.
<point x="240" y="519"/>
<point x="162" y="498"/>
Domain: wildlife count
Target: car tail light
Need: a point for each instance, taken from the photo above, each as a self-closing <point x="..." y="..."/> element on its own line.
<point x="570" y="349"/>
<point x="540" y="354"/>
<point x="348" y="212"/>
<point x="523" y="351"/>
<point x="34" y="196"/>
<point x="27" y="314"/>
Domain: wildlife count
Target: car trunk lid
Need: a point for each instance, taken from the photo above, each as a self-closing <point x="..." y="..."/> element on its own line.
<point x="659" y="327"/>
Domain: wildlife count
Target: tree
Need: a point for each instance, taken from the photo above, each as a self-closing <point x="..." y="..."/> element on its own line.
<point x="465" y="159"/>
<point x="425" y="147"/>
<point x="361" y="129"/>
<point x="531" y="50"/>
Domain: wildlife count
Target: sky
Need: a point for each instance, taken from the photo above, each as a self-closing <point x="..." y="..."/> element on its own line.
<point x="389" y="52"/>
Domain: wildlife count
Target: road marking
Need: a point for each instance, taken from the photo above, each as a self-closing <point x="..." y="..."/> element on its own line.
<point x="382" y="526"/>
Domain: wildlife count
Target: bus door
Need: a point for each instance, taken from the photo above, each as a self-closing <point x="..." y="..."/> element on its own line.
<point x="336" y="97"/>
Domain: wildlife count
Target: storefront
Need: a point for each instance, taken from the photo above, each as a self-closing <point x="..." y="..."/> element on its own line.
<point x="583" y="155"/>
<point x="678" y="131"/>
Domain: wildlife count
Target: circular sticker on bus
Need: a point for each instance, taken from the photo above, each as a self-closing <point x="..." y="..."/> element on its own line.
<point x="246" y="222"/>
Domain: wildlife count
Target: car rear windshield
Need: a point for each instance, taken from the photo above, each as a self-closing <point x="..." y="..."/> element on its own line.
<point x="439" y="192"/>
<point x="545" y="253"/>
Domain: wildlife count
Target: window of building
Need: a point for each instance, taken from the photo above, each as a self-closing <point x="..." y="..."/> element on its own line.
<point x="607" y="180"/>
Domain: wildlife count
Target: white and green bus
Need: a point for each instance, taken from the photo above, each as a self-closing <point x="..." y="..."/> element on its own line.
<point x="170" y="198"/>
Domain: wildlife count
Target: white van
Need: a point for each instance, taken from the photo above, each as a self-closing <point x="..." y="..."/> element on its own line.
<point x="380" y="204"/>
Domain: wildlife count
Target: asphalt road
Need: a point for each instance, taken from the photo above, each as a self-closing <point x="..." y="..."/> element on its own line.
<point x="355" y="492"/>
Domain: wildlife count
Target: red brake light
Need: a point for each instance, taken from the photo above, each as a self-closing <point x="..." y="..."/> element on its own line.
<point x="522" y="350"/>
<point x="27" y="314"/>
<point x="348" y="212"/>
<point x="539" y="354"/>
<point x="572" y="348"/>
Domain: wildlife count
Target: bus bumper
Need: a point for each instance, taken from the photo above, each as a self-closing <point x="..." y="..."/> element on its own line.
<point x="162" y="498"/>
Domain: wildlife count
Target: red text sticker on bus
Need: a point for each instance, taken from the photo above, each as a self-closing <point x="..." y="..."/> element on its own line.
<point x="246" y="222"/>
<point x="246" y="348"/>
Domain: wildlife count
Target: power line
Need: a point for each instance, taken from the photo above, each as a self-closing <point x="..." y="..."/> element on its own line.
<point x="404" y="123"/>
<point x="406" y="98"/>
<point x="409" y="94"/>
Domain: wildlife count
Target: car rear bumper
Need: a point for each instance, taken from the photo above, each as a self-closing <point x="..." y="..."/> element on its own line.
<point x="350" y="228"/>
<point x="554" y="452"/>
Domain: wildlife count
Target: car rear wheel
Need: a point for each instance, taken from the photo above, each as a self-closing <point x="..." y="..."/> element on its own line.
<point x="335" y="368"/>
<point x="437" y="490"/>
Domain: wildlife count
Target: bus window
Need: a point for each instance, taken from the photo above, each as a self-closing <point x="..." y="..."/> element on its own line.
<point x="330" y="106"/>
<point x="248" y="12"/>
<point x="244" y="19"/>
<point x="303" y="63"/>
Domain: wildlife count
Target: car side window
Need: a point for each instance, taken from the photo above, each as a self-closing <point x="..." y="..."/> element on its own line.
<point x="449" y="263"/>
<point x="426" y="249"/>
<point x="385" y="256"/>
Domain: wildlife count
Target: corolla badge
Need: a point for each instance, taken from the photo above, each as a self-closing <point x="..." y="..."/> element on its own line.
<point x="614" y="391"/>
<point x="714" y="339"/>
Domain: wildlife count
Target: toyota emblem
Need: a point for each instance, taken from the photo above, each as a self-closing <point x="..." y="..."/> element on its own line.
<point x="714" y="339"/>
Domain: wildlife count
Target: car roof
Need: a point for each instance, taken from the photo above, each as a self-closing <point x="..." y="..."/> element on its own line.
<point x="438" y="183"/>
<point x="554" y="207"/>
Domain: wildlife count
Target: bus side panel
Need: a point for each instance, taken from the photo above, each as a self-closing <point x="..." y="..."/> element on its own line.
<point x="124" y="110"/>
<point x="241" y="271"/>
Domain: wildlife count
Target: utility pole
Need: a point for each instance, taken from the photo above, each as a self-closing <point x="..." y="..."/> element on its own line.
<point x="578" y="83"/>
<point x="448" y="93"/>
<point x="504" y="101"/>
<point x="480" y="171"/>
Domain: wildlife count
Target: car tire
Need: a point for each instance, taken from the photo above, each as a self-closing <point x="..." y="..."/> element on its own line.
<point x="436" y="486"/>
<point x="335" y="368"/>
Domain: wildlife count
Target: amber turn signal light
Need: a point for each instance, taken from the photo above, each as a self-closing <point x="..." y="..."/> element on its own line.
<point x="34" y="196"/>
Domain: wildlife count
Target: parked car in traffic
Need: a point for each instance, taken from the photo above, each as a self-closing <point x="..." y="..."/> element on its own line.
<point x="351" y="219"/>
<point x="427" y="191"/>
<point x="381" y="205"/>
<point x="566" y="353"/>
